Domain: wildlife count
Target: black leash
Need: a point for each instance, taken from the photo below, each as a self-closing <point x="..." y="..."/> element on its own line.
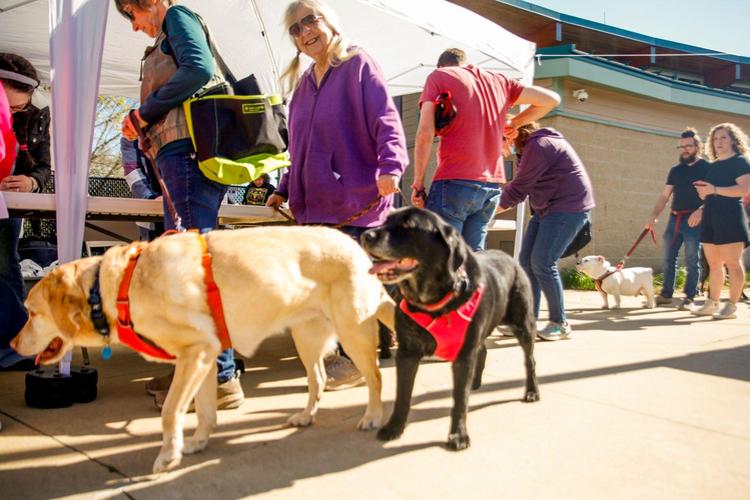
<point x="145" y="146"/>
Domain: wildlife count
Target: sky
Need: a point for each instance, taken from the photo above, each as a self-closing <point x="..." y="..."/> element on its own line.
<point x="721" y="25"/>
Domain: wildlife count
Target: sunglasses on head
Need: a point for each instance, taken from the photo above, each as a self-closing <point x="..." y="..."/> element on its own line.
<point x="307" y="21"/>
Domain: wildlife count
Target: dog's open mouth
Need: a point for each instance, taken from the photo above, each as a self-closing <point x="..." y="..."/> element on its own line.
<point x="388" y="270"/>
<point x="51" y="352"/>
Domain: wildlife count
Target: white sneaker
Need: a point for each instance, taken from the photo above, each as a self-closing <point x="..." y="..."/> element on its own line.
<point x="729" y="311"/>
<point x="555" y="331"/>
<point x="709" y="308"/>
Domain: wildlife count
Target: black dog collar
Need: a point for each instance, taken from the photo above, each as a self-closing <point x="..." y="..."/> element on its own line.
<point x="98" y="318"/>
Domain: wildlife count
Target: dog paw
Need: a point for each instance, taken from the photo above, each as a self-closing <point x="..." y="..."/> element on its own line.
<point x="530" y="397"/>
<point x="457" y="442"/>
<point x="369" y="422"/>
<point x="301" y="419"/>
<point x="166" y="461"/>
<point x="389" y="433"/>
<point x="194" y="445"/>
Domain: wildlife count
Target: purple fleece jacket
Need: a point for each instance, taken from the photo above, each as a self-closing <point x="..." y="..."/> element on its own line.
<point x="342" y="137"/>
<point x="551" y="174"/>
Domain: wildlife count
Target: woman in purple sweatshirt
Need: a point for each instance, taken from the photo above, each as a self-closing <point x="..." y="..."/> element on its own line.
<point x="552" y="175"/>
<point x="346" y="141"/>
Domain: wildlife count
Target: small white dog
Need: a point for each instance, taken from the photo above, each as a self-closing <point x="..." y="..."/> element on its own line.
<point x="627" y="281"/>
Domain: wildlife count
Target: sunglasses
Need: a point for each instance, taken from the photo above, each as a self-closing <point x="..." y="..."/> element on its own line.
<point x="127" y="11"/>
<point x="687" y="147"/>
<point x="307" y="21"/>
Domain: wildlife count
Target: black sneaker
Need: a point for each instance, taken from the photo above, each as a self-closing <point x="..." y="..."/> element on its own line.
<point x="686" y="304"/>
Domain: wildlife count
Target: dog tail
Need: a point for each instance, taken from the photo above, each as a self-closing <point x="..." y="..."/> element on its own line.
<point x="386" y="312"/>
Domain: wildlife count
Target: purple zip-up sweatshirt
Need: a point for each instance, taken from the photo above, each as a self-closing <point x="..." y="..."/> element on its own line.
<point x="342" y="137"/>
<point x="551" y="174"/>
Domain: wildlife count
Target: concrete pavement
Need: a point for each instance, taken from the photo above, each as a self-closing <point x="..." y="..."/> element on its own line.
<point x="638" y="404"/>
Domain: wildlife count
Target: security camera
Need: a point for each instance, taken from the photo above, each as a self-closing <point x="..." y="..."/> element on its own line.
<point x="581" y="95"/>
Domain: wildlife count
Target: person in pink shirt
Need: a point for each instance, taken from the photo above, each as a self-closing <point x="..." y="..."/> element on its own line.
<point x="7" y="141"/>
<point x="465" y="189"/>
<point x="7" y="137"/>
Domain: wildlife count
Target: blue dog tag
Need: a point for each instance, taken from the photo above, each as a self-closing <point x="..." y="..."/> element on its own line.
<point x="107" y="353"/>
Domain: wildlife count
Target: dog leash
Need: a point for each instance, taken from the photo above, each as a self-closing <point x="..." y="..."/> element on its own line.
<point x="643" y="234"/>
<point x="679" y="215"/>
<point x="346" y="222"/>
<point x="598" y="281"/>
<point x="146" y="146"/>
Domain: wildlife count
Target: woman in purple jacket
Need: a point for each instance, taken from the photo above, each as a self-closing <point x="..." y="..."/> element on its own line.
<point x="346" y="141"/>
<point x="552" y="175"/>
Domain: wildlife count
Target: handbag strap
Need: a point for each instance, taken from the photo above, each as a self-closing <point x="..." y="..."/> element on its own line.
<point x="223" y="67"/>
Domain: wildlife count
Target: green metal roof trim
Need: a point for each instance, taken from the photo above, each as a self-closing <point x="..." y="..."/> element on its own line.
<point x="605" y="28"/>
<point x="640" y="82"/>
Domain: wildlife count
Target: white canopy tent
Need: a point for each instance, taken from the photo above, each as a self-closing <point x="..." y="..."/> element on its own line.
<point x="84" y="48"/>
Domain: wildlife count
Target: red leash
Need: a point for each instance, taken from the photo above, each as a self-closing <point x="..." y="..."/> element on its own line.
<point x="635" y="245"/>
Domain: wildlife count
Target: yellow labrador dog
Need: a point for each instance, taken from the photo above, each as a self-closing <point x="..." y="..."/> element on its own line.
<point x="312" y="279"/>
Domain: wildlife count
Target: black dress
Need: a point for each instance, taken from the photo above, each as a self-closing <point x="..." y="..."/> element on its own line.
<point x="724" y="220"/>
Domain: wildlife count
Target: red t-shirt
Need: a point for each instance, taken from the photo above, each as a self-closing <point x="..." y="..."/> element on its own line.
<point x="471" y="146"/>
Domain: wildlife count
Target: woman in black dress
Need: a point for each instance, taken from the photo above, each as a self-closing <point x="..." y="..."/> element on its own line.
<point x="724" y="231"/>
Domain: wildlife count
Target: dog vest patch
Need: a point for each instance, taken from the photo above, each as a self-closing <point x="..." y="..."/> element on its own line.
<point x="448" y="330"/>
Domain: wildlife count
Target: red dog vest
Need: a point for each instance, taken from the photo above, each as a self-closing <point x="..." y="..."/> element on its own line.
<point x="449" y="330"/>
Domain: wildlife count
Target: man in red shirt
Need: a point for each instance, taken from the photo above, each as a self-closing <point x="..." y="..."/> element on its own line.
<point x="465" y="190"/>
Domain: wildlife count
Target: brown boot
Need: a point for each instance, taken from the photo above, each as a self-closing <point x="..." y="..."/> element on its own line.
<point x="159" y="384"/>
<point x="341" y="374"/>
<point x="229" y="395"/>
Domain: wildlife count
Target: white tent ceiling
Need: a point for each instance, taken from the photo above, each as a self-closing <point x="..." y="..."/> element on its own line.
<point x="405" y="37"/>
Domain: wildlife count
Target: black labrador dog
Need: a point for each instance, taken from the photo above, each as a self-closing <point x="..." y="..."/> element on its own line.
<point x="444" y="284"/>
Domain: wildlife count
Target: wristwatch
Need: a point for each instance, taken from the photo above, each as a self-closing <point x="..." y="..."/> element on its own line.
<point x="34" y="185"/>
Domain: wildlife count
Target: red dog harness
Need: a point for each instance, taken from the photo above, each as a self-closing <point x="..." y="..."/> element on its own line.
<point x="448" y="330"/>
<point x="125" y="330"/>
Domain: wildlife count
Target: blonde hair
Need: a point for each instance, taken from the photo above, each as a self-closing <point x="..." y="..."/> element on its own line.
<point x="338" y="52"/>
<point x="739" y="140"/>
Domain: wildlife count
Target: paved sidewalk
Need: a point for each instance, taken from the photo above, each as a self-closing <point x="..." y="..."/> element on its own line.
<point x="638" y="404"/>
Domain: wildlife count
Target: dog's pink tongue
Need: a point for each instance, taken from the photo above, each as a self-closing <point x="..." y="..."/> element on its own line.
<point x="383" y="265"/>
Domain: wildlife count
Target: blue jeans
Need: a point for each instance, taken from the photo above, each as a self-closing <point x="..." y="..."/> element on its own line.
<point x="691" y="237"/>
<point x="545" y="240"/>
<point x="468" y="206"/>
<point x="12" y="290"/>
<point x="197" y="201"/>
